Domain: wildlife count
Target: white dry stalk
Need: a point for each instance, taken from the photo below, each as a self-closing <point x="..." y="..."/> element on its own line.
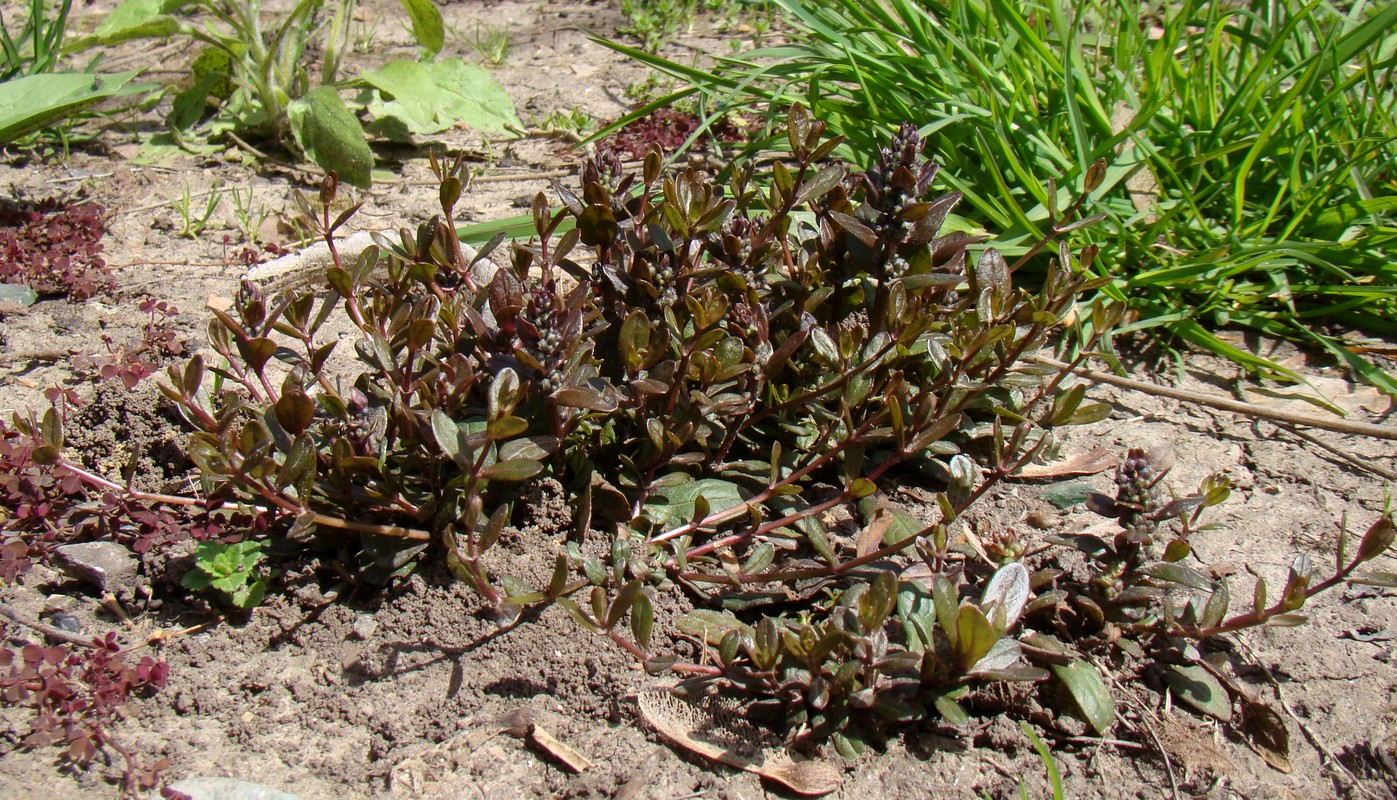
<point x="307" y="268"/>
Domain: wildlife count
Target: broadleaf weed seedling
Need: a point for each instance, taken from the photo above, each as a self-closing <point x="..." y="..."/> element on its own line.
<point x="230" y="569"/>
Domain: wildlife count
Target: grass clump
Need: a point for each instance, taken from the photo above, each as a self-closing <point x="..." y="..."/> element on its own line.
<point x="1250" y="145"/>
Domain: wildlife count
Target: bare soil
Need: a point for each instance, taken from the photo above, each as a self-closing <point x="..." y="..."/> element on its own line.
<point x="328" y="691"/>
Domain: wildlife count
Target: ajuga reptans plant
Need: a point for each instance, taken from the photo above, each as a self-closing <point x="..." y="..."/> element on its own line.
<point x="714" y="372"/>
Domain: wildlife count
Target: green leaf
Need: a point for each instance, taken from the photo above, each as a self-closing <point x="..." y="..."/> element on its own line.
<point x="974" y="636"/>
<point x="133" y="19"/>
<point x="1090" y="692"/>
<point x="674" y="505"/>
<point x="196" y="579"/>
<point x="642" y="620"/>
<point x="35" y="102"/>
<point x="1197" y="688"/>
<point x="1066" y="495"/>
<point x="427" y="27"/>
<point x="1179" y="574"/>
<point x="424" y="98"/>
<point x="951" y="711"/>
<point x="711" y="626"/>
<point x="1046" y="756"/>
<point x="331" y="136"/>
<point x="518" y="469"/>
<point x="861" y="488"/>
<point x="445" y="431"/>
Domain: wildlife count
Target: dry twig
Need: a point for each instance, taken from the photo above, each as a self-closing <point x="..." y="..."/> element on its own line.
<point x="1335" y="424"/>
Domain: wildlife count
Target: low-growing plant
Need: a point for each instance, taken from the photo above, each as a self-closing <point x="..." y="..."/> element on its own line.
<point x="233" y="570"/>
<point x="726" y="375"/>
<point x="34" y="46"/>
<point x="75" y="691"/>
<point x="574" y="123"/>
<point x="491" y="44"/>
<point x="656" y="22"/>
<point x="134" y="360"/>
<point x="192" y="219"/>
<point x="674" y="130"/>
<point x="54" y="247"/>
<point x="256" y="77"/>
<point x="249" y="214"/>
<point x="76" y="694"/>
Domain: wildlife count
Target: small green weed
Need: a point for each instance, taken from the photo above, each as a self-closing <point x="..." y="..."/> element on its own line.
<point x="230" y="569"/>
<point x="575" y="122"/>
<point x="491" y="44"/>
<point x="253" y="74"/>
<point x="35" y="47"/>
<point x="249" y="214"/>
<point x="656" y="22"/>
<point x="1049" y="763"/>
<point x="192" y="220"/>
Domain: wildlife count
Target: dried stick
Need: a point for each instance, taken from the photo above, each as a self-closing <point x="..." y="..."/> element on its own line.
<point x="1335" y="424"/>
<point x="57" y="634"/>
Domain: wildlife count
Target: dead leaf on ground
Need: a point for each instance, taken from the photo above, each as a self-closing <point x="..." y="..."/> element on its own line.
<point x="722" y="735"/>
<point x="1088" y="463"/>
<point x="1264" y="731"/>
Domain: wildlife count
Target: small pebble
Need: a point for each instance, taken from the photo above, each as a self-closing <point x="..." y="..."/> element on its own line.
<point x="364" y="627"/>
<point x="65" y="621"/>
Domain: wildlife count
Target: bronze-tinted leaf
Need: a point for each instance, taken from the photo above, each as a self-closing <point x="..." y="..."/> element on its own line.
<point x="856" y="228"/>
<point x="1377" y="539"/>
<point x="929" y="225"/>
<point x="597" y="226"/>
<point x="256" y="352"/>
<point x="584" y="397"/>
<point x="1216" y="607"/>
<point x="822" y="182"/>
<point x="193" y="376"/>
<point x="206" y="451"/>
<point x="300" y="459"/>
<point x="295" y="411"/>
